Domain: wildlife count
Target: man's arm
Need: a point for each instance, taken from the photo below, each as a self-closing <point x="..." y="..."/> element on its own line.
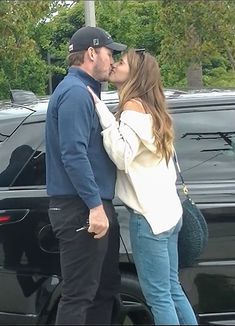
<point x="75" y="117"/>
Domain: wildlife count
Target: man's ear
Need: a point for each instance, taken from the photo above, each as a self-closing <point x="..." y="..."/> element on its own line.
<point x="91" y="53"/>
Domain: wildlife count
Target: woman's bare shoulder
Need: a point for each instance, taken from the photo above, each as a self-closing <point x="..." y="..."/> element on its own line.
<point x="134" y="105"/>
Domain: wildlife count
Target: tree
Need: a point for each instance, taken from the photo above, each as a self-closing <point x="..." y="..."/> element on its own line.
<point x="136" y="31"/>
<point x="21" y="64"/>
<point x="53" y="37"/>
<point x="193" y="40"/>
<point x="194" y="31"/>
<point x="186" y="37"/>
<point x="131" y="22"/>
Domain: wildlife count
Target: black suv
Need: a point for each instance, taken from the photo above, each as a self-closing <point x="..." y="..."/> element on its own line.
<point x="30" y="278"/>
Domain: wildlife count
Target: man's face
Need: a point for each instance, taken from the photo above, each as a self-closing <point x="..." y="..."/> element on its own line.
<point x="103" y="61"/>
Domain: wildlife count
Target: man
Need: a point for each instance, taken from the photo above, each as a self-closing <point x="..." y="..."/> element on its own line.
<point x="80" y="183"/>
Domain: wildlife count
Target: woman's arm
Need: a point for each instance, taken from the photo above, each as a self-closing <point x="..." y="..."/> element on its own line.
<point x="120" y="141"/>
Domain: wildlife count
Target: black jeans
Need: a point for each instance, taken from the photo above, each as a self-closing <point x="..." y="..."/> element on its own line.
<point x="89" y="267"/>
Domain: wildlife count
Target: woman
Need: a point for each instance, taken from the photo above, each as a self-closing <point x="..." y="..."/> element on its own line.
<point x="140" y="143"/>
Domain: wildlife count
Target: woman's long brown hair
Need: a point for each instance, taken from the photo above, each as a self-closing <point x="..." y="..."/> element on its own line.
<point x="144" y="83"/>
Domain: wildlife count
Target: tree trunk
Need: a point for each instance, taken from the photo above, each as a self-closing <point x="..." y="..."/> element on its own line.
<point x="231" y="58"/>
<point x="194" y="70"/>
<point x="194" y="76"/>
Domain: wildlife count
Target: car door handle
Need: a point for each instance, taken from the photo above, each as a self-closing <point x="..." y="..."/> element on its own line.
<point x="10" y="216"/>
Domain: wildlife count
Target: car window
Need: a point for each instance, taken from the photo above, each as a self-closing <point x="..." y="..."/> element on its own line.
<point x="205" y="144"/>
<point x="33" y="172"/>
<point x="18" y="116"/>
<point x="23" y="157"/>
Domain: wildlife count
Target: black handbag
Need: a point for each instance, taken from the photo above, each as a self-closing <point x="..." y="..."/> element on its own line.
<point x="193" y="236"/>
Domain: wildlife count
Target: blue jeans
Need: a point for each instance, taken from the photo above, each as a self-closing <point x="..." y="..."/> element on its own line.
<point x="156" y="260"/>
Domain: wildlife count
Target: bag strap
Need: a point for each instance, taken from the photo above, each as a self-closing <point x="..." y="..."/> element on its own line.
<point x="185" y="189"/>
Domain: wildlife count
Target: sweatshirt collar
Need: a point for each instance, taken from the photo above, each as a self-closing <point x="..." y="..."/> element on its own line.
<point x="87" y="79"/>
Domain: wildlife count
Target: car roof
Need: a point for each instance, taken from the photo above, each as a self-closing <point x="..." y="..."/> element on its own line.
<point x="175" y="98"/>
<point x="202" y="97"/>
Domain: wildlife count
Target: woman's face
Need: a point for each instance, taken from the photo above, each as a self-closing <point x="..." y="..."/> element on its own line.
<point x="120" y="72"/>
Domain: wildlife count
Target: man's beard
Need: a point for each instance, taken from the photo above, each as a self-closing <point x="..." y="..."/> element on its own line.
<point x="100" y="75"/>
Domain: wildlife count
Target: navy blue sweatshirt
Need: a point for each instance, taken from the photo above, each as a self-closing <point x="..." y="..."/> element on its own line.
<point x="76" y="161"/>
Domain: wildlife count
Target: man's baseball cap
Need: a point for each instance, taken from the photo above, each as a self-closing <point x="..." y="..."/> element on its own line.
<point x="94" y="37"/>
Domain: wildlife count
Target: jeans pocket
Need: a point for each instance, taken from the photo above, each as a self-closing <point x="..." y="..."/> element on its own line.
<point x="56" y="218"/>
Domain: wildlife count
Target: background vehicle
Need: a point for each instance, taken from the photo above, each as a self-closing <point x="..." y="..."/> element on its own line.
<point x="29" y="261"/>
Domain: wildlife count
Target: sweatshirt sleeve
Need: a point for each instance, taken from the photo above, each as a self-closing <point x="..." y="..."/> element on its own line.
<point x="120" y="141"/>
<point x="75" y="117"/>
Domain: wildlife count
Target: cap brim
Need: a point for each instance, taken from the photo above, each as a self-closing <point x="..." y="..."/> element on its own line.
<point x="116" y="47"/>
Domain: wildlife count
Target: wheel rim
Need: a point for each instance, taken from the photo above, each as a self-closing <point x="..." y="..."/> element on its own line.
<point x="135" y="311"/>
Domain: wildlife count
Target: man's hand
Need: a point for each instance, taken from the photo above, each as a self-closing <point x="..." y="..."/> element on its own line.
<point x="98" y="222"/>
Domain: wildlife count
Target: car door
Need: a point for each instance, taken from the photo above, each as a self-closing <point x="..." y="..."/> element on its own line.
<point x="26" y="280"/>
<point x="205" y="144"/>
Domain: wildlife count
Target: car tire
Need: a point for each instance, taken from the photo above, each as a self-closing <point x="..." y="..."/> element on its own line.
<point x="134" y="310"/>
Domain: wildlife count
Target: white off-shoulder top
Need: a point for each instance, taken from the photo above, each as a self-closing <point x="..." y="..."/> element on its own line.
<point x="144" y="182"/>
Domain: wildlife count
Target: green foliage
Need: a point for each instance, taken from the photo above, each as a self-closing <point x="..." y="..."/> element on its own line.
<point x="173" y="76"/>
<point x="32" y="75"/>
<point x="4" y="86"/>
<point x="218" y="73"/>
<point x="54" y="35"/>
<point x="195" y="31"/>
<point x="134" y="25"/>
<point x="220" y="78"/>
<point x="21" y="65"/>
<point x="177" y="32"/>
<point x="131" y="22"/>
<point x="136" y="31"/>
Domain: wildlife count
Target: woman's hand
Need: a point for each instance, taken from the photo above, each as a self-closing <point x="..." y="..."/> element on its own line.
<point x="105" y="116"/>
<point x="95" y="97"/>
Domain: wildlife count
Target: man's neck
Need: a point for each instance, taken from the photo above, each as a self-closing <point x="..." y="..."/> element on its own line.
<point x="86" y="69"/>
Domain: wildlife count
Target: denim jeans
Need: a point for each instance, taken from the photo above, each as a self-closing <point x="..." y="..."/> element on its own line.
<point x="156" y="260"/>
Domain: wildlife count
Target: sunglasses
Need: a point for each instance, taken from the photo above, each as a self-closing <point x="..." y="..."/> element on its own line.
<point x="141" y="54"/>
<point x="140" y="51"/>
<point x="84" y="227"/>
